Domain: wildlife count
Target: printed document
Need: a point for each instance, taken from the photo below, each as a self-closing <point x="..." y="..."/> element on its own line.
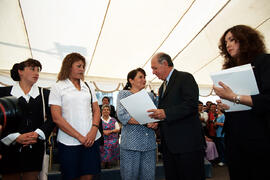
<point x="241" y="80"/>
<point x="137" y="105"/>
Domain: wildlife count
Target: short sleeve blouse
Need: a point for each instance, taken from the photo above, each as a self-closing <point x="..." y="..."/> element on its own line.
<point x="76" y="108"/>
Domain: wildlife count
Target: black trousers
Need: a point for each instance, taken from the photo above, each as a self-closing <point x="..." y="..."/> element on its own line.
<point x="183" y="166"/>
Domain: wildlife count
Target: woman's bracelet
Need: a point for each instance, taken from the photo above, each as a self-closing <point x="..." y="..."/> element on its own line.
<point x="236" y="99"/>
<point x="95" y="125"/>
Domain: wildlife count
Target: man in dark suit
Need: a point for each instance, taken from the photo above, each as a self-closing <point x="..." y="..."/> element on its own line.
<point x="180" y="128"/>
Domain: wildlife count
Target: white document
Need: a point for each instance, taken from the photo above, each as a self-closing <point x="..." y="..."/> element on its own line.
<point x="137" y="105"/>
<point x="241" y="80"/>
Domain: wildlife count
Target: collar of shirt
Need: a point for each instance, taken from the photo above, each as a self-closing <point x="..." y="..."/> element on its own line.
<point x="169" y="76"/>
<point x="82" y="84"/>
<point x="107" y="121"/>
<point x="18" y="92"/>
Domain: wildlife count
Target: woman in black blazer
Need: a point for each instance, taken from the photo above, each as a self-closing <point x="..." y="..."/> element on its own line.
<point x="22" y="139"/>
<point x="247" y="133"/>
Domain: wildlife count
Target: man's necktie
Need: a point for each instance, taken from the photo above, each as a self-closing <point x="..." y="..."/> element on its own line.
<point x="164" y="87"/>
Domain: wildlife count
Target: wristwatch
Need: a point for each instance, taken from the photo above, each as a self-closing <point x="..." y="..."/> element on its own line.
<point x="237" y="99"/>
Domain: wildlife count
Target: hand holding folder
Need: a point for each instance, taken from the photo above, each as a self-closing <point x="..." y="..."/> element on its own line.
<point x="241" y="80"/>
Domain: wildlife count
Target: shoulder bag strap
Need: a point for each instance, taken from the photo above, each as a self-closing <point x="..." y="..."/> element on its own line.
<point x="90" y="93"/>
<point x="100" y="123"/>
<point x="43" y="104"/>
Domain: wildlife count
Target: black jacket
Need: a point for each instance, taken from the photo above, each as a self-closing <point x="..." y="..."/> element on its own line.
<point x="16" y="157"/>
<point x="253" y="124"/>
<point x="181" y="130"/>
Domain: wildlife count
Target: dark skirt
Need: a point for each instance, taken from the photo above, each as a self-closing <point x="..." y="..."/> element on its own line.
<point x="18" y="159"/>
<point x="78" y="160"/>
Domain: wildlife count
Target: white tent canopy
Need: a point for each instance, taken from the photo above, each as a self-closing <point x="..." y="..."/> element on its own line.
<point x="117" y="36"/>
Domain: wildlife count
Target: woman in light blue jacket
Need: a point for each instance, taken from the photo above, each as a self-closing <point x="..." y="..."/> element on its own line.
<point x="138" y="142"/>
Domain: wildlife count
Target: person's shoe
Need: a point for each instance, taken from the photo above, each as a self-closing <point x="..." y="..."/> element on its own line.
<point x="221" y="164"/>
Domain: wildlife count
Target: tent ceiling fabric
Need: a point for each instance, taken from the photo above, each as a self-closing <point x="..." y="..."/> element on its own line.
<point x="120" y="35"/>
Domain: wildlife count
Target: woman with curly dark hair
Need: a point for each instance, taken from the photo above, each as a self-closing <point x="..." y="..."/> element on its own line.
<point x="247" y="133"/>
<point x="251" y="45"/>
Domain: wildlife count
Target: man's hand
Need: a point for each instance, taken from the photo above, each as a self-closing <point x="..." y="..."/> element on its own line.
<point x="157" y="114"/>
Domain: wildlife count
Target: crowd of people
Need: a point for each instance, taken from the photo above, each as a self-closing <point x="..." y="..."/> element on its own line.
<point x="212" y="119"/>
<point x="189" y="131"/>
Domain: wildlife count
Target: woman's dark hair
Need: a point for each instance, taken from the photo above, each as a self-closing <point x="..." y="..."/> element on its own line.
<point x="213" y="104"/>
<point x="67" y="64"/>
<point x="251" y="43"/>
<point x="106" y="97"/>
<point x="20" y="66"/>
<point x="131" y="75"/>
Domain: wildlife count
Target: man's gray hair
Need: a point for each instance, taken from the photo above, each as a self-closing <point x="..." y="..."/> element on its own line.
<point x="165" y="57"/>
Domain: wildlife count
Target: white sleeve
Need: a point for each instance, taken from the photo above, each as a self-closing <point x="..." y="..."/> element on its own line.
<point x="55" y="96"/>
<point x="10" y="138"/>
<point x="41" y="134"/>
<point x="117" y="126"/>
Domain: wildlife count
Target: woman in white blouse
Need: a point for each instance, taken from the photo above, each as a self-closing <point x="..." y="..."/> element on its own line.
<point x="75" y="110"/>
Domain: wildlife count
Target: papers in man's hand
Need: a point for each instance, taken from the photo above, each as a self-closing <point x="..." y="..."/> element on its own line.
<point x="137" y="105"/>
<point x="241" y="80"/>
